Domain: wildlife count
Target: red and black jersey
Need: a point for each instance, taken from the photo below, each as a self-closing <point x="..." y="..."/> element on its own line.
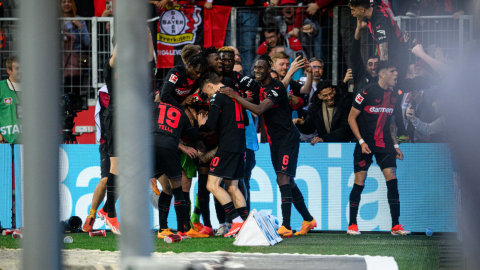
<point x="169" y="122"/>
<point x="245" y="83"/>
<point x="383" y="28"/>
<point x="278" y="119"/>
<point x="229" y="118"/>
<point x="177" y="87"/>
<point x="376" y="107"/>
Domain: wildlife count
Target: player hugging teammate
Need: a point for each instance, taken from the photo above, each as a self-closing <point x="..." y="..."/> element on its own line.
<point x="284" y="140"/>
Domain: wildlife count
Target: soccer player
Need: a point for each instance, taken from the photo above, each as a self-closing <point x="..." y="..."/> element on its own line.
<point x="250" y="88"/>
<point x="181" y="82"/>
<point x="284" y="140"/>
<point x="245" y="83"/>
<point x="371" y="121"/>
<point x="99" y="193"/>
<point x="384" y="31"/>
<point x="230" y="119"/>
<point x="108" y="121"/>
<point x="169" y="123"/>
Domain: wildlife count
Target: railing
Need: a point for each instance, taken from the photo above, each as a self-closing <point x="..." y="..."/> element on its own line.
<point x="83" y="78"/>
<point x="246" y="32"/>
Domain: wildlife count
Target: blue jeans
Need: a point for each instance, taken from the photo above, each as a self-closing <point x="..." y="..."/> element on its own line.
<point x="247" y="24"/>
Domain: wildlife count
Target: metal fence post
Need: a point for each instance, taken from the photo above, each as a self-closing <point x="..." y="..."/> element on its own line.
<point x="40" y="61"/>
<point x="233" y="27"/>
<point x="133" y="118"/>
<point x="335" y="47"/>
<point x="94" y="54"/>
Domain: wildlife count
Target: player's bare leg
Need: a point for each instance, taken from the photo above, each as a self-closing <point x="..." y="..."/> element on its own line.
<point x="213" y="185"/>
<point x="98" y="196"/>
<point x="394" y="201"/>
<point x="231" y="186"/>
<point x="355" y="196"/>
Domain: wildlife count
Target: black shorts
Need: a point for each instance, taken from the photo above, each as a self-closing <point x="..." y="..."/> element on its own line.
<point x="104" y="160"/>
<point x="361" y="162"/>
<point x="109" y="136"/>
<point x="228" y="165"/>
<point x="168" y="162"/>
<point x="285" y="157"/>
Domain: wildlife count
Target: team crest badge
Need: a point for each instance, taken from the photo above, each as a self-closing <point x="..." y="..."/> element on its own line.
<point x="7" y="101"/>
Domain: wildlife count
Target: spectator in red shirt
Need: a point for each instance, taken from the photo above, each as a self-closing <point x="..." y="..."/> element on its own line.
<point x="285" y="23"/>
<point x="274" y="38"/>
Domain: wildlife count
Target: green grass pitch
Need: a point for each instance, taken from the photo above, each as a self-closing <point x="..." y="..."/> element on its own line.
<point x="410" y="252"/>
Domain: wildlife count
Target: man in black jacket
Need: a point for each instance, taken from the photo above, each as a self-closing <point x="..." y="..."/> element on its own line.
<point x="328" y="115"/>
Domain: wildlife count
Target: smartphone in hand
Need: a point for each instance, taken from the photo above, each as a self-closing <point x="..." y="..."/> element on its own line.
<point x="299" y="54"/>
<point x="109" y="5"/>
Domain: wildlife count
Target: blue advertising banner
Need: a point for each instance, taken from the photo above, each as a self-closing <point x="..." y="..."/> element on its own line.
<point x="6" y="185"/>
<point x="325" y="177"/>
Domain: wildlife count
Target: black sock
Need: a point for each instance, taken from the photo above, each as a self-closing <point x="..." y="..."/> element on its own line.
<point x="300" y="205"/>
<point x="197" y="211"/>
<point x="355" y="195"/>
<point x="204" y="199"/>
<point x="111" y="181"/>
<point x="163" y="209"/>
<point x="180" y="206"/>
<point x="393" y="201"/>
<point x="286" y="192"/>
<point x="231" y="210"/>
<point x="186" y="195"/>
<point x="188" y="210"/>
<point x="242" y="211"/>
<point x="105" y="207"/>
<point x="221" y="216"/>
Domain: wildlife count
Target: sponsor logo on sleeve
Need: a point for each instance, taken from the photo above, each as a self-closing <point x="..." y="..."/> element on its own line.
<point x="173" y="79"/>
<point x="359" y="99"/>
<point x="274" y="93"/>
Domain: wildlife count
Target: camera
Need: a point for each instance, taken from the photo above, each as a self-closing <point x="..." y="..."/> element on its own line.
<point x="71" y="104"/>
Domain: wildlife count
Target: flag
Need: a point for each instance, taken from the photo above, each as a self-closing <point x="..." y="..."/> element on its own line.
<point x="188" y="24"/>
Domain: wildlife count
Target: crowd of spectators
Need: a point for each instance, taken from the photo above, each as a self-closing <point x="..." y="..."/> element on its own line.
<point x="298" y="36"/>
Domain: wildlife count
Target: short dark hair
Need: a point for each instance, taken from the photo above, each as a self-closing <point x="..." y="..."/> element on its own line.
<point x="383" y="65"/>
<point x="273" y="71"/>
<point x="196" y="60"/>
<point x="373" y="56"/>
<point x="267" y="59"/>
<point x="271" y="28"/>
<point x="209" y="77"/>
<point x="359" y="3"/>
<point x="325" y="85"/>
<point x="209" y="50"/>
